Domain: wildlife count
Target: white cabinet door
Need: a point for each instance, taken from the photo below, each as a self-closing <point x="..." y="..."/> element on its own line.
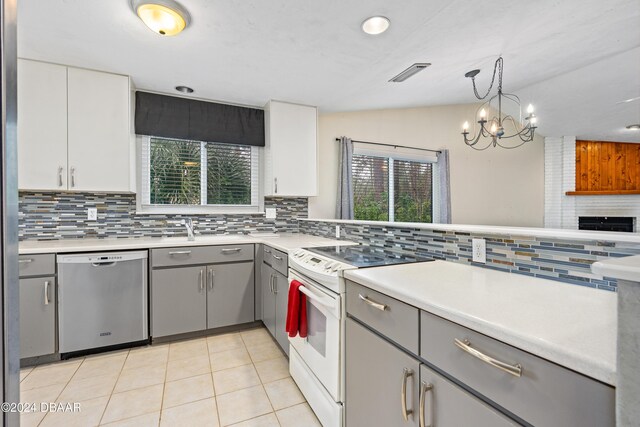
<point x="42" y="126"/>
<point x="99" y="141"/>
<point x="291" y="151"/>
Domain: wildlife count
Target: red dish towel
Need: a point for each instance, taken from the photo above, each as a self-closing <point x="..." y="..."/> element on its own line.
<point x="296" y="311"/>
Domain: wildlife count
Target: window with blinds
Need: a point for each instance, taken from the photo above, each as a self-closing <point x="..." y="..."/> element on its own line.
<point x="187" y="174"/>
<point x="388" y="189"/>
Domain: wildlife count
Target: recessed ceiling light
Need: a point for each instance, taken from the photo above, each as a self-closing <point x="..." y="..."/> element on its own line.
<point x="412" y="70"/>
<point x="184" y="89"/>
<point x="375" y="25"/>
<point x="626" y="101"/>
<point x="634" y="127"/>
<point x="164" y="17"/>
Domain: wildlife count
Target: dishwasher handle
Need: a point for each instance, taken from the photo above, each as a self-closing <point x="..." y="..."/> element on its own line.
<point x="103" y="264"/>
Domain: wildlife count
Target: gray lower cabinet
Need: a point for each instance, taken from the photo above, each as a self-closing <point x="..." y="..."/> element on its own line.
<point x="445" y="404"/>
<point x="375" y="371"/>
<point x="387" y="387"/>
<point x="230" y="294"/>
<point x="275" y="295"/>
<point x="267" y="275"/>
<point x="37" y="316"/>
<point x="178" y="300"/>
<point x="281" y="287"/>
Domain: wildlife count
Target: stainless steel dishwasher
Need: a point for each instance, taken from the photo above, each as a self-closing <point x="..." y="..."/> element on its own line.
<point x="102" y="299"/>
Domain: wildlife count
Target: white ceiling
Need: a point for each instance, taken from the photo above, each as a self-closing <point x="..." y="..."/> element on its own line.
<point x="313" y="52"/>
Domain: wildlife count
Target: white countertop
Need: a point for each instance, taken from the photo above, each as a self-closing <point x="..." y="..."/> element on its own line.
<point x="552" y="233"/>
<point x="283" y="242"/>
<point x="627" y="268"/>
<point x="570" y="325"/>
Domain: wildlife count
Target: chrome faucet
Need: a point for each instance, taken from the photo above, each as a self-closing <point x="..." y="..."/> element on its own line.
<point x="188" y="223"/>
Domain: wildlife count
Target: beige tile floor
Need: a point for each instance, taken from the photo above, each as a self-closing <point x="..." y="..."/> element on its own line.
<point x="240" y="379"/>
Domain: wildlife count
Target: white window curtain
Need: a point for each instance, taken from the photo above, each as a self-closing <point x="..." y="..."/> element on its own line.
<point x="444" y="188"/>
<point x="344" y="205"/>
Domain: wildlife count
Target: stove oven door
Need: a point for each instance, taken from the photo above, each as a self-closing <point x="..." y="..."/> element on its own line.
<point x="320" y="350"/>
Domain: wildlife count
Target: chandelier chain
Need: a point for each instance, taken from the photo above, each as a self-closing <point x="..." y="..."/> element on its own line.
<point x="497" y="67"/>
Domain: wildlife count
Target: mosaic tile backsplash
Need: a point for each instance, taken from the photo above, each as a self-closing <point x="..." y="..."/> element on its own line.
<point x="562" y="260"/>
<point x="53" y="216"/>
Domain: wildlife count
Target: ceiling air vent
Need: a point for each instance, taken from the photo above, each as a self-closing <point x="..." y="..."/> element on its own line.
<point x="412" y="70"/>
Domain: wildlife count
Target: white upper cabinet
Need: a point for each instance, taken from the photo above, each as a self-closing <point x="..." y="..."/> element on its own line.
<point x="291" y="149"/>
<point x="73" y="129"/>
<point x="99" y="143"/>
<point x="42" y="126"/>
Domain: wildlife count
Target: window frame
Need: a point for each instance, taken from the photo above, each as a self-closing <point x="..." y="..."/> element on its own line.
<point x="405" y="156"/>
<point x="143" y="206"/>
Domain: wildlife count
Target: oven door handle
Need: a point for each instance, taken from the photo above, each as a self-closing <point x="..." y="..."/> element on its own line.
<point x="314" y="297"/>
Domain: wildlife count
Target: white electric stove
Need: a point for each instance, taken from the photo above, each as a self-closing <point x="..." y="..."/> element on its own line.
<point x="316" y="362"/>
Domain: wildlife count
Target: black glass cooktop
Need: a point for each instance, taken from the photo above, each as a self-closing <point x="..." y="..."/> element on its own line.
<point x="365" y="256"/>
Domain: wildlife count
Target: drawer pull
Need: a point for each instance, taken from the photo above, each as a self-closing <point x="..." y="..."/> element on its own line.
<point x="179" y="253"/>
<point x="424" y="389"/>
<point x="231" y="251"/>
<point x="267" y="251"/>
<point x="406" y="413"/>
<point x="25" y="261"/>
<point x="279" y="258"/>
<point x="515" y="370"/>
<point x="381" y="307"/>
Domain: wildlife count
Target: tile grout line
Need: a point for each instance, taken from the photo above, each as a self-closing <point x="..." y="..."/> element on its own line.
<point x="65" y="386"/>
<point x="114" y="387"/>
<point x="213" y="383"/>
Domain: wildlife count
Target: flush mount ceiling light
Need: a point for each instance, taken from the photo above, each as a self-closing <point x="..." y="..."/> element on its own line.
<point x="184" y="89"/>
<point x="411" y="71"/>
<point x="376" y="25"/>
<point x="164" y="17"/>
<point x="493" y="129"/>
<point x="634" y="127"/>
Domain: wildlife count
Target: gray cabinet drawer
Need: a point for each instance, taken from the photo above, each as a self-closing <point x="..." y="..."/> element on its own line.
<point x="545" y="394"/>
<point x="392" y="318"/>
<point x="37" y="265"/>
<point x="194" y="255"/>
<point x="277" y="259"/>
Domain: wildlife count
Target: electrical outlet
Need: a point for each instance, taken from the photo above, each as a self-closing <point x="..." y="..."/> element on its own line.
<point x="337" y="231"/>
<point x="92" y="214"/>
<point x="479" y="250"/>
<point x="270" y="213"/>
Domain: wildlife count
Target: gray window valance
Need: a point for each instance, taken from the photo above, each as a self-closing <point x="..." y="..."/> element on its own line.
<point x="180" y="118"/>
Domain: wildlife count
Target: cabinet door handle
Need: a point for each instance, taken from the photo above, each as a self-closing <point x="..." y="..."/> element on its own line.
<point x="425" y="387"/>
<point x="231" y="251"/>
<point x="46" y="292"/>
<point x="171" y="253"/>
<point x="275" y="183"/>
<point x="73" y="177"/>
<point x="201" y="279"/>
<point x="406" y="413"/>
<point x="271" y="283"/>
<point x="381" y="307"/>
<point x="515" y="370"/>
<point x="60" y="168"/>
<point x="25" y="260"/>
<point x="212" y="275"/>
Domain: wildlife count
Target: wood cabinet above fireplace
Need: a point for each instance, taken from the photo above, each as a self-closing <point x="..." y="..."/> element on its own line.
<point x="606" y="168"/>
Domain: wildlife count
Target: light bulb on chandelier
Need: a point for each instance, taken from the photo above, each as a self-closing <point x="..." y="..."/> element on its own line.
<point x="495" y="133"/>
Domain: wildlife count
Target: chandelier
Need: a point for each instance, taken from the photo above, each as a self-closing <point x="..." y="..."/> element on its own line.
<point x="493" y="129"/>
